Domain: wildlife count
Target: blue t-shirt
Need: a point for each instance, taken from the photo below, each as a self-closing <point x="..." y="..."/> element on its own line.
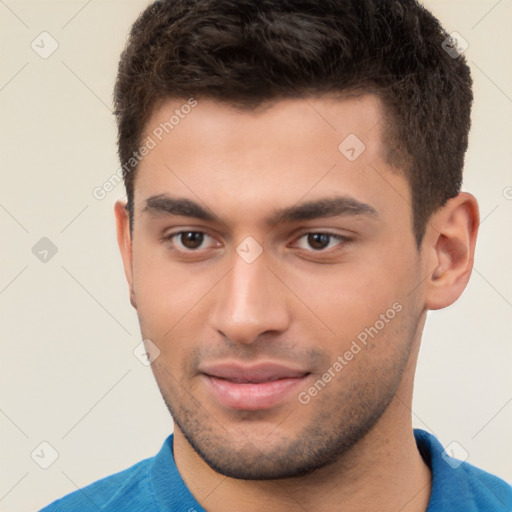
<point x="155" y="485"/>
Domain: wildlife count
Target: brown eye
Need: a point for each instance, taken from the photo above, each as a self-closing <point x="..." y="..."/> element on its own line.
<point x="318" y="241"/>
<point x="321" y="242"/>
<point x="191" y="239"/>
<point x="190" y="244"/>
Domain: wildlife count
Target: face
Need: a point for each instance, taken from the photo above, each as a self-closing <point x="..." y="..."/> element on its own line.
<point x="276" y="272"/>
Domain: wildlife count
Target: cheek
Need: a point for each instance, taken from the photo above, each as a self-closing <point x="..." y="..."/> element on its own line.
<point x="161" y="293"/>
<point x="171" y="297"/>
<point x="356" y="301"/>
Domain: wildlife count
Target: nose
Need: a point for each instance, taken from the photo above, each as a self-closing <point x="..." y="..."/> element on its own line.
<point x="249" y="302"/>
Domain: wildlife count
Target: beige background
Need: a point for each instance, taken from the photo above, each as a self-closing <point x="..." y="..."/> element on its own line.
<point x="68" y="374"/>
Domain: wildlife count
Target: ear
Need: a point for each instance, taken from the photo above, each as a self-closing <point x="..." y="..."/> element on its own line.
<point x="449" y="247"/>
<point x="124" y="239"/>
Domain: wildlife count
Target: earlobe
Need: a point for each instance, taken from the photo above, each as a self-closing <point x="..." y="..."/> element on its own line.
<point x="132" y="298"/>
<point x="124" y="240"/>
<point x="451" y="237"/>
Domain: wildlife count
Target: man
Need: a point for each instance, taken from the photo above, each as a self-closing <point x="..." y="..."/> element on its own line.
<point x="293" y="174"/>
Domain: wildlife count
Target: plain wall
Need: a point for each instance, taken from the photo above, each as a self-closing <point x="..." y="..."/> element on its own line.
<point x="68" y="375"/>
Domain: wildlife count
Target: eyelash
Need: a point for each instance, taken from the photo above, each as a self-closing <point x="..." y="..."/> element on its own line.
<point x="342" y="240"/>
<point x="169" y="238"/>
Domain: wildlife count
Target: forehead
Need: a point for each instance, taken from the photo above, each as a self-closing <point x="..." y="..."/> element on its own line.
<point x="287" y="122"/>
<point x="274" y="155"/>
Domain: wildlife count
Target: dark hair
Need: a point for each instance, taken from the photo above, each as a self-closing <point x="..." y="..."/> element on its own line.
<point x="249" y="52"/>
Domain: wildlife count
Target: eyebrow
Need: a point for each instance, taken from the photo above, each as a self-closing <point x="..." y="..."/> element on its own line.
<point x="321" y="208"/>
<point x="328" y="207"/>
<point x="178" y="206"/>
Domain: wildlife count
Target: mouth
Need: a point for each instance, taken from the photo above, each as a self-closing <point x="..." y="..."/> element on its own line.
<point x="254" y="387"/>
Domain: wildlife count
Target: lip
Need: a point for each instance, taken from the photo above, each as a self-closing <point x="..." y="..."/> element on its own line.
<point x="253" y="387"/>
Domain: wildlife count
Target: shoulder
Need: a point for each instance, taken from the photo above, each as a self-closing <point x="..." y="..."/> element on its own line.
<point x="129" y="489"/>
<point x="488" y="492"/>
<point x="151" y="485"/>
<point x="458" y="485"/>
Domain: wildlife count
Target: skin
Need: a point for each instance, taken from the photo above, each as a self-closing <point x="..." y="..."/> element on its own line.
<point x="296" y="304"/>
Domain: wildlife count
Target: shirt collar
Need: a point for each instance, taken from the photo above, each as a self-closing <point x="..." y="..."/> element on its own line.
<point x="450" y="487"/>
<point x="169" y="489"/>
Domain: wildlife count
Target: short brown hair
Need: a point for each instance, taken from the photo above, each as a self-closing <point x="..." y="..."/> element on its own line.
<point x="247" y="52"/>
